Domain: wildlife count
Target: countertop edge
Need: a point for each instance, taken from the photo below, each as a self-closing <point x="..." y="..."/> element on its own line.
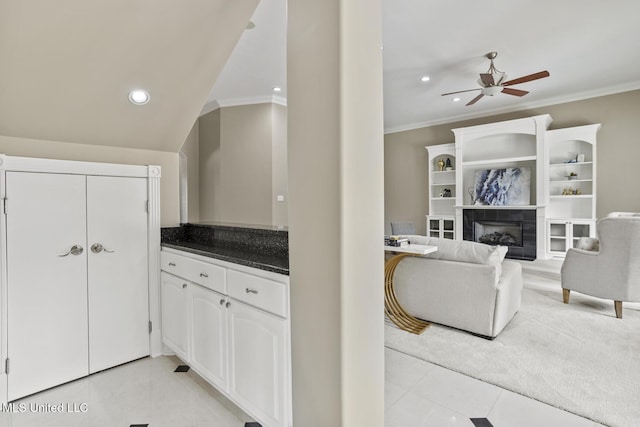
<point x="234" y="260"/>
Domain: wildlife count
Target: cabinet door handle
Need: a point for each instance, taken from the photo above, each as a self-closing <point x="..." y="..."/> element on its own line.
<point x="204" y="275"/>
<point x="184" y="285"/>
<point x="228" y="305"/>
<point x="171" y="264"/>
<point x="96" y="248"/>
<point x="75" y="250"/>
<point x="222" y="301"/>
<point x="250" y="291"/>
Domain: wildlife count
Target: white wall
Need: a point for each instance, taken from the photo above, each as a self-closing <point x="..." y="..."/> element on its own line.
<point x="335" y="156"/>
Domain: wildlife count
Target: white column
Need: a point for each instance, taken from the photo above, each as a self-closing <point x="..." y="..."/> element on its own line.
<point x="336" y="219"/>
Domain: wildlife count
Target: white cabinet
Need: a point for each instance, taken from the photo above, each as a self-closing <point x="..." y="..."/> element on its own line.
<point x="236" y="336"/>
<point x="173" y="297"/>
<point x="442" y="227"/>
<point x="257" y="362"/>
<point x="208" y="334"/>
<point x="77" y="276"/>
<point x="564" y="234"/>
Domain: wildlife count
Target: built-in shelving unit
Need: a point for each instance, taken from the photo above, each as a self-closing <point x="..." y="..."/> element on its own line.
<point x="561" y="166"/>
<point x="441" y="218"/>
<point x="571" y="187"/>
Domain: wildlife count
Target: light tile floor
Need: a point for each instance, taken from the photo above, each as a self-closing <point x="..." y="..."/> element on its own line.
<point x="421" y="394"/>
<point x="417" y="394"/>
<point x="146" y="391"/>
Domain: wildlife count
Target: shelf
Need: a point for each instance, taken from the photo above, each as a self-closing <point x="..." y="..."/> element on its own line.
<point x="570" y="180"/>
<point x="444" y="172"/>
<point x="443" y="198"/>
<point x="502" y="160"/>
<point x="570" y="164"/>
<point x="446" y="183"/>
<point x="574" y="196"/>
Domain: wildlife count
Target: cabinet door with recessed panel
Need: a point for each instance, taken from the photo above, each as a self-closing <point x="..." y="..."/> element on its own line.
<point x="118" y="270"/>
<point x="47" y="281"/>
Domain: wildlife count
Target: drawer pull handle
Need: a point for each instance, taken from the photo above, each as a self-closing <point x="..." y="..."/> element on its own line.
<point x="184" y="285"/>
<point x="222" y="301"/>
<point x="204" y="275"/>
<point x="171" y="264"/>
<point x="250" y="291"/>
<point x="228" y="304"/>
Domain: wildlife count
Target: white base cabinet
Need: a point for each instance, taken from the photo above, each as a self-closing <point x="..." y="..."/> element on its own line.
<point x="563" y="234"/>
<point x="442" y="227"/>
<point x="208" y="337"/>
<point x="257" y="346"/>
<point x="173" y="298"/>
<point x="231" y="325"/>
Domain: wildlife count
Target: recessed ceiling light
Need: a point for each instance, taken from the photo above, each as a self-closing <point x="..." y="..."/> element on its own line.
<point x="425" y="79"/>
<point x="139" y="96"/>
<point x="456" y="99"/>
<point x="277" y="89"/>
<point x="251" y="25"/>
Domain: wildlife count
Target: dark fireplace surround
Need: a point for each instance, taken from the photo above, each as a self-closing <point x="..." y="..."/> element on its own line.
<point x="514" y="228"/>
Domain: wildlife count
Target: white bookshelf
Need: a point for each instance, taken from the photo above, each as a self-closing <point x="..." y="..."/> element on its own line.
<point x="571" y="203"/>
<point x="441" y="217"/>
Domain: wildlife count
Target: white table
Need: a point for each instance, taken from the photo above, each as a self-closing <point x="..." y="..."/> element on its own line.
<point x="392" y="307"/>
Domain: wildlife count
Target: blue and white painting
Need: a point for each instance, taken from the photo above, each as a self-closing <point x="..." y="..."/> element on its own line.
<point x="502" y="187"/>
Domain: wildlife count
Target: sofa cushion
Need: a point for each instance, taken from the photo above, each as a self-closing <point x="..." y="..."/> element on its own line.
<point x="464" y="251"/>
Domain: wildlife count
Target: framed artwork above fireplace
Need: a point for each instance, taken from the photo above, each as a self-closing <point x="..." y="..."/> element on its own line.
<point x="502" y="187"/>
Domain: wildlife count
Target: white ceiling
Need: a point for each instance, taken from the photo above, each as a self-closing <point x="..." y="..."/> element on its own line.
<point x="258" y="62"/>
<point x="590" y="48"/>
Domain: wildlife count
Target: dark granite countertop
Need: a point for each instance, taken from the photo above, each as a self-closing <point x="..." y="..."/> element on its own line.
<point x="265" y="248"/>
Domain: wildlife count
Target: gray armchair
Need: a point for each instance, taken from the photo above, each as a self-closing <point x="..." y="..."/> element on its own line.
<point x="613" y="271"/>
<point x="402" y="228"/>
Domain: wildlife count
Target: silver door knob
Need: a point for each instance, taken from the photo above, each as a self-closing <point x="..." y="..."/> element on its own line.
<point x="96" y="248"/>
<point x="75" y="250"/>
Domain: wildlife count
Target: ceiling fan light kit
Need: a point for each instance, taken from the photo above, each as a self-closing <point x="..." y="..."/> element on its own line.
<point x="495" y="81"/>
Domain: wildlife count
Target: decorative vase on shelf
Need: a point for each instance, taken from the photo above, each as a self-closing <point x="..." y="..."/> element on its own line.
<point x="447" y="165"/>
<point x="440" y="165"/>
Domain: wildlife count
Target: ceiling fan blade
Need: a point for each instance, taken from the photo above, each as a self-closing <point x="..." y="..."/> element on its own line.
<point x="474" y="100"/>
<point x="524" y="79"/>
<point x="515" y="92"/>
<point x="487" y="79"/>
<point x="460" y="91"/>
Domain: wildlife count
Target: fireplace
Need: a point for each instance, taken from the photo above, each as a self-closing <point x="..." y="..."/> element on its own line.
<point x="513" y="228"/>
<point x="498" y="233"/>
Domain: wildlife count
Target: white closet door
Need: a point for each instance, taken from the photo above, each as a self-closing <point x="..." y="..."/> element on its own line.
<point x="47" y="290"/>
<point x="118" y="275"/>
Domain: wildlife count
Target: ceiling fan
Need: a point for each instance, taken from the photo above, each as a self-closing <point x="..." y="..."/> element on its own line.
<point x="495" y="81"/>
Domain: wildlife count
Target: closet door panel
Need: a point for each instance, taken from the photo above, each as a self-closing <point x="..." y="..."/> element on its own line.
<point x="118" y="271"/>
<point x="47" y="290"/>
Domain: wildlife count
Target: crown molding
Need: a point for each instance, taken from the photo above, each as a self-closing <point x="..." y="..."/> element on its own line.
<point x="609" y="90"/>
<point x="235" y="102"/>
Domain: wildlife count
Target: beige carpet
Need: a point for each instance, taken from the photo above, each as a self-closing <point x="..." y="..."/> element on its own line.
<point x="576" y="357"/>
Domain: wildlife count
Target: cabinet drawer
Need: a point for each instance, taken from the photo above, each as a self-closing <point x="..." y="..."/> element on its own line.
<point x="208" y="275"/>
<point x="262" y="293"/>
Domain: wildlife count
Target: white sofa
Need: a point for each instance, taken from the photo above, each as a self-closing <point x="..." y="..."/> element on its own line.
<point x="465" y="285"/>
